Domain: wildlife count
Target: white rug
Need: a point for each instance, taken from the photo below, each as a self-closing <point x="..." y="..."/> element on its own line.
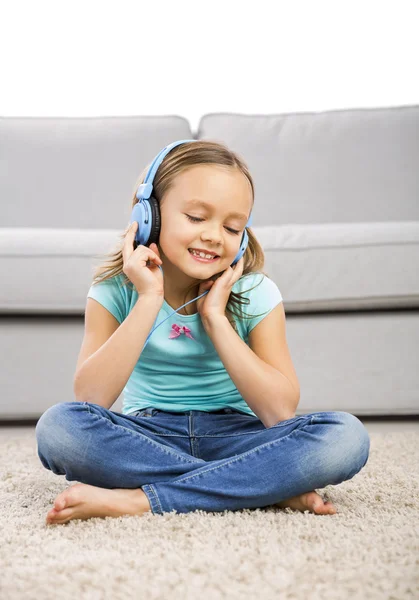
<point x="369" y="549"/>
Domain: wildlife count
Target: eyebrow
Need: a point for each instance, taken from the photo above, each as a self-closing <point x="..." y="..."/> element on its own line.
<point x="197" y="202"/>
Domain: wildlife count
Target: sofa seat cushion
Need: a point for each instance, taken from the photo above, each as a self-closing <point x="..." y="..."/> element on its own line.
<point x="344" y="266"/>
<point x="327" y="267"/>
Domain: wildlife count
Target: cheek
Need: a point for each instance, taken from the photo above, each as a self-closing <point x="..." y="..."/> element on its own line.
<point x="176" y="242"/>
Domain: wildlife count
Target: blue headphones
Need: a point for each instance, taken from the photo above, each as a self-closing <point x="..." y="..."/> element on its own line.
<point x="147" y="214"/>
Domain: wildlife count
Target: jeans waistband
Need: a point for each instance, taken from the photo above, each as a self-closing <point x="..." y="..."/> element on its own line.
<point x="150" y="411"/>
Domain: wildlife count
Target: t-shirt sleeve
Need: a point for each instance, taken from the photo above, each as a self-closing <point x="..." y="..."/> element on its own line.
<point x="108" y="293"/>
<point x="263" y="299"/>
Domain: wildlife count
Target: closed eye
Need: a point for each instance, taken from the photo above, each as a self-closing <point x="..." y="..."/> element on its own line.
<point x="197" y="220"/>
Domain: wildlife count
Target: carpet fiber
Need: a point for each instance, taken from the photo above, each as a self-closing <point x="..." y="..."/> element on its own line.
<point x="369" y="549"/>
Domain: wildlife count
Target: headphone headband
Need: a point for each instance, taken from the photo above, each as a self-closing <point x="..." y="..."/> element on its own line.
<point x="144" y="189"/>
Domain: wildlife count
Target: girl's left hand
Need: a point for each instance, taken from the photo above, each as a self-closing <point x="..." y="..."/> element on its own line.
<point x="214" y="303"/>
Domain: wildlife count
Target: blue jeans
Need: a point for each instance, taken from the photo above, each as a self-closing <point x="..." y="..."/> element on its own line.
<point x="199" y="460"/>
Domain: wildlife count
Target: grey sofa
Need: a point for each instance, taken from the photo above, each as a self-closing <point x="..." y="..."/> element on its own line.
<point x="336" y="211"/>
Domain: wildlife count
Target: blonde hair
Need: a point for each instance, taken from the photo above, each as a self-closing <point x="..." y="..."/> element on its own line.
<point x="179" y="159"/>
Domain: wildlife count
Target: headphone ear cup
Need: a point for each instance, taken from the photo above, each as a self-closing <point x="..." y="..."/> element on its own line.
<point x="155" y="221"/>
<point x="138" y="214"/>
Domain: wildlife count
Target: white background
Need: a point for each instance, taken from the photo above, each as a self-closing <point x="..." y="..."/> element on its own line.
<point x="188" y="57"/>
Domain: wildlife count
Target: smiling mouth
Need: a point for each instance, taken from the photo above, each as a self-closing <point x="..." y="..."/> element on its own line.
<point x="203" y="260"/>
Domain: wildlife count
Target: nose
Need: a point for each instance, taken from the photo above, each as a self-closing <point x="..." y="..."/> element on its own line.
<point x="212" y="234"/>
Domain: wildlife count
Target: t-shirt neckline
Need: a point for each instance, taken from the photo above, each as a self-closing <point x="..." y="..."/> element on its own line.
<point x="176" y="315"/>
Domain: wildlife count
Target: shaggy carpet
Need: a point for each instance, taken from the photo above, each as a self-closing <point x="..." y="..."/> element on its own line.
<point x="369" y="549"/>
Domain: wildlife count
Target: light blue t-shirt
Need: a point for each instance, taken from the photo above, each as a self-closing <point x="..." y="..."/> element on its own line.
<point x="183" y="374"/>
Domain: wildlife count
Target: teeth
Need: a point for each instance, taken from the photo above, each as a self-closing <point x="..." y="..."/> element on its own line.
<point x="202" y="255"/>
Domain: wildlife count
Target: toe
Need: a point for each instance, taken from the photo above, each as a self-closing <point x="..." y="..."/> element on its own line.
<point x="58" y="522"/>
<point x="59" y="504"/>
<point x="51" y="514"/>
<point x="62" y="517"/>
<point x="320" y="507"/>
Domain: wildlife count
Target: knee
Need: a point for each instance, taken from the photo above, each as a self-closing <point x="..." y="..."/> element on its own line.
<point x="56" y="418"/>
<point x="353" y="441"/>
<point x="55" y="430"/>
<point x="344" y="447"/>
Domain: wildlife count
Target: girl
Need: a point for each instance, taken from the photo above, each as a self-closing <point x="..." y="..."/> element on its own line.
<point x="210" y="392"/>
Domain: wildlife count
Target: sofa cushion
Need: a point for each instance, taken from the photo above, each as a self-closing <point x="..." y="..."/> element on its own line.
<point x="77" y="172"/>
<point x="344" y="266"/>
<point x="340" y="166"/>
<point x="337" y="266"/>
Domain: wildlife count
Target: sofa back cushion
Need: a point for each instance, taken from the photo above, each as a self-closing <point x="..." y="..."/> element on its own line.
<point x="341" y="166"/>
<point x="77" y="172"/>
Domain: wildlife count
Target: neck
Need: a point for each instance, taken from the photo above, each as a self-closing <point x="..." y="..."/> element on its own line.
<point x="177" y="290"/>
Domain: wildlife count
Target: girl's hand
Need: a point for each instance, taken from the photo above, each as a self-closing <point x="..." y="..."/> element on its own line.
<point x="141" y="265"/>
<point x="214" y="303"/>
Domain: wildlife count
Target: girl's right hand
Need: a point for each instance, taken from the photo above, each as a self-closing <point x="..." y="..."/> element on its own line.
<point x="148" y="279"/>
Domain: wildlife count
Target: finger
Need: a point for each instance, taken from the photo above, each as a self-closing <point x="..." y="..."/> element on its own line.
<point x="237" y="266"/>
<point x="228" y="276"/>
<point x="155" y="249"/>
<point x="128" y="246"/>
<point x="238" y="269"/>
<point x="129" y="242"/>
<point x="152" y="256"/>
<point x="130" y="233"/>
<point x="158" y="259"/>
<point x="228" y="272"/>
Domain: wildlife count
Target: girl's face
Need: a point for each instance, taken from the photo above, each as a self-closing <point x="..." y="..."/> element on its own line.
<point x="228" y="197"/>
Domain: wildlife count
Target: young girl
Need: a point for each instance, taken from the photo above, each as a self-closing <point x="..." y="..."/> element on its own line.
<point x="210" y="391"/>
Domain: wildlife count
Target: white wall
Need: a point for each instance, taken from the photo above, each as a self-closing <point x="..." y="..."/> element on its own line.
<point x="97" y="58"/>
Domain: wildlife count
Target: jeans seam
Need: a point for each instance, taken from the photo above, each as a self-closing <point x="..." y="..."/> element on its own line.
<point x="240" y="456"/>
<point x="155" y="500"/>
<point x="173" y="453"/>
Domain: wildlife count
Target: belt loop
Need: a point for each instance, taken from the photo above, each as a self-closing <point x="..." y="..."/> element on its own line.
<point x="147" y="412"/>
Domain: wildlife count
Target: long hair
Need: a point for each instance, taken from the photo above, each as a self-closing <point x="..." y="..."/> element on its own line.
<point x="180" y="158"/>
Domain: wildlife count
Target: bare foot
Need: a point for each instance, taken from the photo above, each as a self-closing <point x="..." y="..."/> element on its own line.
<point x="82" y="501"/>
<point x="309" y="501"/>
